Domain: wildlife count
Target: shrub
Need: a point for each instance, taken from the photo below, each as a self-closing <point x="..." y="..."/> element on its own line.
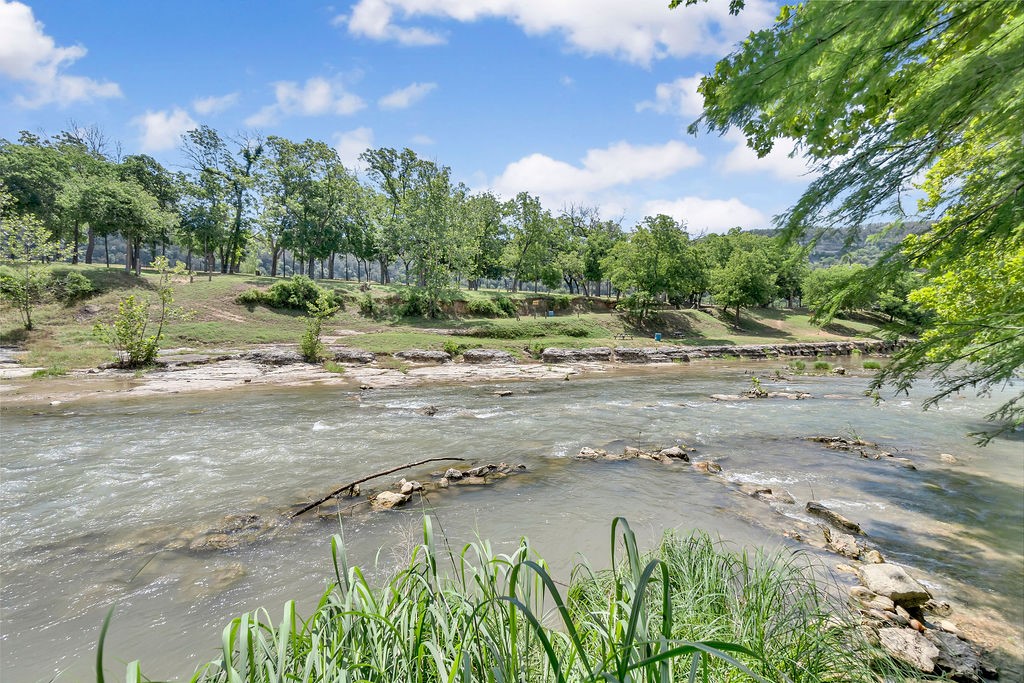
<point x="536" y="349"/>
<point x="507" y="306"/>
<point x="134" y="348"/>
<point x="456" y="348"/>
<point x="296" y="292"/>
<point x="560" y="302"/>
<point x="310" y="346"/>
<point x="370" y="307"/>
<point x="821" y="365"/>
<point x="485" y="307"/>
<point x="71" y="288"/>
<point x="331" y="366"/>
<point x="253" y="297"/>
<point x="872" y="365"/>
<point x="413" y="303"/>
<point x="797" y="365"/>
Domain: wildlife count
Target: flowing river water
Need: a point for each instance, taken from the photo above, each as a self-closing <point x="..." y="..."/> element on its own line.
<point x="90" y="491"/>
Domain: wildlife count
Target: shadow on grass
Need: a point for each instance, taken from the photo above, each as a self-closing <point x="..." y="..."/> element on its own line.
<point x="14" y="336"/>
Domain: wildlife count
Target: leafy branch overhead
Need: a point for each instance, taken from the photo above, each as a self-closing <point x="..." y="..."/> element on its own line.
<point x="903" y="107"/>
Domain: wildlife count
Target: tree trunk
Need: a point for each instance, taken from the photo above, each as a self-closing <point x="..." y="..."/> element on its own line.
<point x="78" y="239"/>
<point x="106" y="250"/>
<point x="310" y="266"/>
<point x="90" y="245"/>
<point x="330" y="268"/>
<point x="188" y="260"/>
<point x="273" y="262"/>
<point x="137" y="257"/>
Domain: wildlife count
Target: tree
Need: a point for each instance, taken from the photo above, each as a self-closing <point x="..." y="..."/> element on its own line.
<point x="833" y="290"/>
<point x="876" y="94"/>
<point x="29" y="246"/>
<point x="655" y="262"/>
<point x="746" y="279"/>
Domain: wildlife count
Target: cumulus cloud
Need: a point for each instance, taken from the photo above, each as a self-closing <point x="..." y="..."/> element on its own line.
<point x="160" y="130"/>
<point x="407" y="96"/>
<point x="351" y="144"/>
<point x="639" y="31"/>
<point x="708" y="215"/>
<point x="679" y="97"/>
<point x="316" y="97"/>
<point x="27" y="54"/>
<point x="372" y="19"/>
<point x="778" y="163"/>
<point x="558" y="182"/>
<point x="214" y="104"/>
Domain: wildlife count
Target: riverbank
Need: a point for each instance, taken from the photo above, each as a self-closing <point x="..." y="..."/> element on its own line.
<point x="187" y="370"/>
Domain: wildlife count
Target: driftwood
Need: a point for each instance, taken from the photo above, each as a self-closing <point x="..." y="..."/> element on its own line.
<point x="349" y="485"/>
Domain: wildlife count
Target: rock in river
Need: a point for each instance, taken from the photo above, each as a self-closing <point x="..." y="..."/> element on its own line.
<point x="833" y="518"/>
<point x="387" y="500"/>
<point x="894" y="583"/>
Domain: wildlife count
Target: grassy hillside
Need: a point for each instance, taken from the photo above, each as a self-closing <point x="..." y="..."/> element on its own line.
<point x="64" y="339"/>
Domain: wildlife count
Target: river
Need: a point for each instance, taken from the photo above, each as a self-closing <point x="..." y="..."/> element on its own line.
<point x="89" y="490"/>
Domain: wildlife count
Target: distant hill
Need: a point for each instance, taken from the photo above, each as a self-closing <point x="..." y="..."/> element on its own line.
<point x="857" y="245"/>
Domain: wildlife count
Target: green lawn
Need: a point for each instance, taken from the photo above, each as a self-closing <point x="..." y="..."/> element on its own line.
<point x="64" y="337"/>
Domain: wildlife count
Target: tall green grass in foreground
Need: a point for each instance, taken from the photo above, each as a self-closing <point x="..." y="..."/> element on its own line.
<point x="688" y="611"/>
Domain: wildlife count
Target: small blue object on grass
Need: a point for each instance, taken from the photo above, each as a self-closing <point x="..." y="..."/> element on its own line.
<point x="657" y="336"/>
<point x="551" y="314"/>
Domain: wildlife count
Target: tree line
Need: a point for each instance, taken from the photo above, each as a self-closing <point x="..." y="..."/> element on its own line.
<point x="406" y="218"/>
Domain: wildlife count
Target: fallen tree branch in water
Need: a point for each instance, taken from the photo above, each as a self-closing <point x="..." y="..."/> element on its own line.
<point x="348" y="486"/>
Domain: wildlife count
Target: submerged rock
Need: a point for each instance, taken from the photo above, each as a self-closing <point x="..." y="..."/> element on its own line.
<point x="707" y="466"/>
<point x="588" y="453"/>
<point x="832" y="517"/>
<point x="676" y="453"/>
<point x="387" y="500"/>
<point x="894" y="583"/>
<point x="909" y="646"/>
<point x="429" y="411"/>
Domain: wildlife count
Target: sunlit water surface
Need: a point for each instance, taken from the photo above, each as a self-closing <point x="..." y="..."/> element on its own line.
<point x="87" y="490"/>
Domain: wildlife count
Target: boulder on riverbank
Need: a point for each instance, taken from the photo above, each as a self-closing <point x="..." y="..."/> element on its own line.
<point x="589" y="355"/>
<point x="347" y="354"/>
<point x="487" y="356"/>
<point x="894" y="583"/>
<point x="423" y="356"/>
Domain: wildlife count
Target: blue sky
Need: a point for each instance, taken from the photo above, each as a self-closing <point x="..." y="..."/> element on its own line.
<point x="577" y="101"/>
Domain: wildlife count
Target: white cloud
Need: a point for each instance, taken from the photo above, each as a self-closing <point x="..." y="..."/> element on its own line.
<point x="742" y="159"/>
<point x="372" y="19"/>
<point x="708" y="215"/>
<point x="638" y="31"/>
<point x="351" y="144"/>
<point x="680" y="97"/>
<point x="422" y="140"/>
<point x="406" y="97"/>
<point x="317" y="97"/>
<point x="162" y="130"/>
<point x="214" y="104"/>
<point x="566" y="81"/>
<point x="27" y="54"/>
<point x="559" y="182"/>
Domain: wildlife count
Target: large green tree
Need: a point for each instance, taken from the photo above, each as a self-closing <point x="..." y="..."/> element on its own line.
<point x="877" y="95"/>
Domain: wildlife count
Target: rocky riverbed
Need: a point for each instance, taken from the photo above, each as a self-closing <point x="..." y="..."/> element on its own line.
<point x="185" y="370"/>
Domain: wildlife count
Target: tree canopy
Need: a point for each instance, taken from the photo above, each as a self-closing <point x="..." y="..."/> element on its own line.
<point x="892" y="102"/>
